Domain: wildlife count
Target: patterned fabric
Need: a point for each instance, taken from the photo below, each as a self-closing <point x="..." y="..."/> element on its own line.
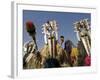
<point x="74" y="56"/>
<point x="74" y="52"/>
<point x="30" y="46"/>
<point x="30" y="59"/>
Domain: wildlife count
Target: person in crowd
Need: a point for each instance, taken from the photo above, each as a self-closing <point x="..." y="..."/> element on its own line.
<point x="74" y="56"/>
<point x="82" y="53"/>
<point x="68" y="49"/>
<point x="31" y="58"/>
<point x="62" y="41"/>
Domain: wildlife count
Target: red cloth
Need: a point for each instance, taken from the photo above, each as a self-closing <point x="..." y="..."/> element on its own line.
<point x="87" y="61"/>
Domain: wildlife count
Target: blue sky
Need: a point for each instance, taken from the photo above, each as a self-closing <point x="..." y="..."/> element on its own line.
<point x="64" y="20"/>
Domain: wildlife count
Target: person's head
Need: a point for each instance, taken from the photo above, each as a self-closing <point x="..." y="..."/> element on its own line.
<point x="68" y="46"/>
<point x="30" y="28"/>
<point x="61" y="39"/>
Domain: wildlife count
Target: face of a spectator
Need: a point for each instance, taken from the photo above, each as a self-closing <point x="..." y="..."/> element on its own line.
<point x="62" y="39"/>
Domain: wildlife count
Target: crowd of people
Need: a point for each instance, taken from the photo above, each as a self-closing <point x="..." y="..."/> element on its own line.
<point x="76" y="55"/>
